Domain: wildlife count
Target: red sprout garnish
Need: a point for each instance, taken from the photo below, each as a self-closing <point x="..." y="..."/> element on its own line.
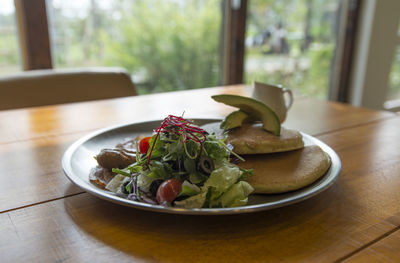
<point x="180" y="126"/>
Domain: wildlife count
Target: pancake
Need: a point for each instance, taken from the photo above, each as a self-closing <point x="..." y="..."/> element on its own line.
<point x="288" y="171"/>
<point x="253" y="139"/>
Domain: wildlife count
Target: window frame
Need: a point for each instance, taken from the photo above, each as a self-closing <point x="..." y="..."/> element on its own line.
<point x="232" y="41"/>
<point x="373" y="59"/>
<point x="33" y="34"/>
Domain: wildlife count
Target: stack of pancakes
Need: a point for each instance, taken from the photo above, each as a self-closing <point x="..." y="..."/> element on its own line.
<point x="280" y="163"/>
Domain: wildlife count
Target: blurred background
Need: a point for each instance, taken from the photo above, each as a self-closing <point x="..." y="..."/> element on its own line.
<point x="309" y="46"/>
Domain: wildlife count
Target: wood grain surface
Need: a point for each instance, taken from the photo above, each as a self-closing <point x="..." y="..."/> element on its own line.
<point x="384" y="250"/>
<point x="45" y="218"/>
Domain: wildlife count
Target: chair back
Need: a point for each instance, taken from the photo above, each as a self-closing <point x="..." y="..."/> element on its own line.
<point x="46" y="87"/>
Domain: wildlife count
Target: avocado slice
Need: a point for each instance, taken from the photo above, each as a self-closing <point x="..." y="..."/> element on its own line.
<point x="233" y="120"/>
<point x="255" y="109"/>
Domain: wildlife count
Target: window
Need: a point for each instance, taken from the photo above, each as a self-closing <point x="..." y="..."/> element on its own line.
<point x="9" y="49"/>
<point x="292" y="43"/>
<point x="393" y="96"/>
<point x="165" y="45"/>
<point x="182" y="44"/>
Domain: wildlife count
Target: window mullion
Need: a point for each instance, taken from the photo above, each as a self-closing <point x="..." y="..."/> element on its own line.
<point x="33" y="34"/>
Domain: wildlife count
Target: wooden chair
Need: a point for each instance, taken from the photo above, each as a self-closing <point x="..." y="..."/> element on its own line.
<point x="46" y="87"/>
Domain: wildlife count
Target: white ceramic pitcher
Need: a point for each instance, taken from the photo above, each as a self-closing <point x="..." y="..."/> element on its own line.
<point x="274" y="97"/>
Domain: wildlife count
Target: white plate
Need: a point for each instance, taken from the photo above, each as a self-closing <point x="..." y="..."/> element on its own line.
<point x="78" y="160"/>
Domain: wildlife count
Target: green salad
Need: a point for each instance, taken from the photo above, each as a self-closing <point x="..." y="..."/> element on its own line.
<point x="181" y="165"/>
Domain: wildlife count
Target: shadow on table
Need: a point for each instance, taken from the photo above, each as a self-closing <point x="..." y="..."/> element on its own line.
<point x="181" y="238"/>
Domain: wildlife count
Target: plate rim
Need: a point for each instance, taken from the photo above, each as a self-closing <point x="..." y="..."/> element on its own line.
<point x="304" y="193"/>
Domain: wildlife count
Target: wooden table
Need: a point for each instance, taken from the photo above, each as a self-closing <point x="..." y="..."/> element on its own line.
<point x="45" y="218"/>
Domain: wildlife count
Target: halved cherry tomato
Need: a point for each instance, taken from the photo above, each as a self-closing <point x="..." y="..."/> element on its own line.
<point x="144" y="145"/>
<point x="168" y="191"/>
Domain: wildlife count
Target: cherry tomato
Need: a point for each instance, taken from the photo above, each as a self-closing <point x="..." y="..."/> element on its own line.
<point x="168" y="191"/>
<point x="144" y="145"/>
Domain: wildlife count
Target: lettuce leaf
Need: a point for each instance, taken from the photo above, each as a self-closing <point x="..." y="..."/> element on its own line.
<point x="236" y="195"/>
<point x="221" y="179"/>
<point x="195" y="201"/>
<point x="189" y="189"/>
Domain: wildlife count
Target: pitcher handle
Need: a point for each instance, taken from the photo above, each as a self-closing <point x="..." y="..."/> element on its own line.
<point x="288" y="103"/>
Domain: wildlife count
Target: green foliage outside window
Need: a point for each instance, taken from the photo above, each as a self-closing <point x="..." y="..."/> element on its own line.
<point x="394" y="90"/>
<point x="165" y="45"/>
<point x="312" y="81"/>
<point x="9" y="48"/>
<point x="306" y="65"/>
<point x="174" y="45"/>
